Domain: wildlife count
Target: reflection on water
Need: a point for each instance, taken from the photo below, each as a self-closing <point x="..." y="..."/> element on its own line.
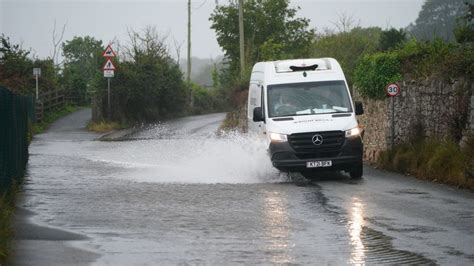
<point x="277" y="227"/>
<point x="355" y="225"/>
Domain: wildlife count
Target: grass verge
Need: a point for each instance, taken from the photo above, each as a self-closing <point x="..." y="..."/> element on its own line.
<point x="105" y="126"/>
<point x="7" y="209"/>
<point x="50" y="117"/>
<point x="440" y="161"/>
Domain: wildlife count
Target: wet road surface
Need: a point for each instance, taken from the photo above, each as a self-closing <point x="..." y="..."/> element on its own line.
<point x="176" y="193"/>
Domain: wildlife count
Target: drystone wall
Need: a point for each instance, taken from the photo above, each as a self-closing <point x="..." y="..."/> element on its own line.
<point x="431" y="107"/>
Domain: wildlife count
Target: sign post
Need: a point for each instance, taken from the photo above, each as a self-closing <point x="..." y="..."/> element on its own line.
<point x="37" y="73"/>
<point x="392" y="91"/>
<point x="108" y="69"/>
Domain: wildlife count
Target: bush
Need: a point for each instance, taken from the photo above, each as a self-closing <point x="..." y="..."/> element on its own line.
<point x="432" y="159"/>
<point x="446" y="163"/>
<point x="7" y="209"/>
<point x="374" y="72"/>
<point x="413" y="60"/>
<point x="468" y="151"/>
<point x="390" y="39"/>
<point x="148" y="85"/>
<point x="347" y="47"/>
<point x="207" y="100"/>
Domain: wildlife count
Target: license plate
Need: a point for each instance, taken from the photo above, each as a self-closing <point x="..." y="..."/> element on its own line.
<point x="318" y="164"/>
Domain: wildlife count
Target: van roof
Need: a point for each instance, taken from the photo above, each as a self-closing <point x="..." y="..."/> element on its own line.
<point x="298" y="70"/>
<point x="302" y="65"/>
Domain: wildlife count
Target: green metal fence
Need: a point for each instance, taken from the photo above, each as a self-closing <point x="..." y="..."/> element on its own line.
<point x="15" y="111"/>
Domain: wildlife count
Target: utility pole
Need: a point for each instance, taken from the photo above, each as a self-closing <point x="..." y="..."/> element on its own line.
<point x="188" y="78"/>
<point x="241" y="37"/>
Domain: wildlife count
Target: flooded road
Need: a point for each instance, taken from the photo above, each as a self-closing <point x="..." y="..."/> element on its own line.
<point x="176" y="193"/>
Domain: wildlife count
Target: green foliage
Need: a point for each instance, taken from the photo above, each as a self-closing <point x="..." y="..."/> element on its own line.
<point x="15" y="66"/>
<point x="347" y="47"/>
<point x="16" y="69"/>
<point x="391" y="39"/>
<point x="437" y="19"/>
<point x="216" y="83"/>
<point x="272" y="32"/>
<point x="413" y="59"/>
<point x="437" y="58"/>
<point x="83" y="60"/>
<point x="374" y="72"/>
<point x="468" y="151"/>
<point x="206" y="100"/>
<point x="148" y="89"/>
<point x="148" y="85"/>
<point x="425" y="58"/>
<point x="236" y="120"/>
<point x="104" y="126"/>
<point x="464" y="31"/>
<point x="7" y="209"/>
<point x="432" y="159"/>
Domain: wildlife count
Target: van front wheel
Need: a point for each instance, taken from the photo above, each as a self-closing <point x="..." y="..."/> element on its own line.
<point x="357" y="171"/>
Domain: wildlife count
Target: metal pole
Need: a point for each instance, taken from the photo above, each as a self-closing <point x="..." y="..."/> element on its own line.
<point x="37" y="95"/>
<point x="188" y="77"/>
<point x="109" y="114"/>
<point x="392" y="100"/>
<point x="241" y="37"/>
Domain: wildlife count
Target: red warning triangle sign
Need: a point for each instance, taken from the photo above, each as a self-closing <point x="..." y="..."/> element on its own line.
<point x="108" y="52"/>
<point x="109" y="65"/>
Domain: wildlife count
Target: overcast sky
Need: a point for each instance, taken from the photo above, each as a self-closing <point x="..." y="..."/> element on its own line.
<point x="30" y="22"/>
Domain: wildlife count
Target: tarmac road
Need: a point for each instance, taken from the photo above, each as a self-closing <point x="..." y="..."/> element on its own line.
<point x="175" y="193"/>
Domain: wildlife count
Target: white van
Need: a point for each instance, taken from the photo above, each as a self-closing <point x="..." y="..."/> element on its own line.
<point x="304" y="110"/>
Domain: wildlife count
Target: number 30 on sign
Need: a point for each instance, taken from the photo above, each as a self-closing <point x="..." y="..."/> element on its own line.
<point x="392" y="89"/>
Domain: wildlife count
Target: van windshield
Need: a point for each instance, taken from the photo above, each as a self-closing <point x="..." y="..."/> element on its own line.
<point x="308" y="98"/>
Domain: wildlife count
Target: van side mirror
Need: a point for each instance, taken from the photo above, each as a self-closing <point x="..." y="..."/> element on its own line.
<point x="258" y="115"/>
<point x="359" y="108"/>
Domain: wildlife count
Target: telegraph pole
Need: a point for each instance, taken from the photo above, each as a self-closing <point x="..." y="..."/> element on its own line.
<point x="241" y="37"/>
<point x="188" y="78"/>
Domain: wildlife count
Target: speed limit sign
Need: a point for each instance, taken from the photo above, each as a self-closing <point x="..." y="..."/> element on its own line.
<point x="392" y="89"/>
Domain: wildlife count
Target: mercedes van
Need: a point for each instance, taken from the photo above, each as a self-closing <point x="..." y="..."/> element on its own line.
<point x="304" y="110"/>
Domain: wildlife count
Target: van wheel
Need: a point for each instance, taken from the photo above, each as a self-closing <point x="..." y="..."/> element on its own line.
<point x="357" y="171"/>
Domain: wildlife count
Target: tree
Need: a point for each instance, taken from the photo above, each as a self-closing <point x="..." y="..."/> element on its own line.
<point x="391" y="38"/>
<point x="148" y="85"/>
<point x="83" y="59"/>
<point x="271" y="28"/>
<point x="347" y="47"/>
<point x="16" y="69"/>
<point x="437" y="18"/>
<point x="345" y="22"/>
<point x="15" y="66"/>
<point x="57" y="39"/>
<point x="464" y="31"/>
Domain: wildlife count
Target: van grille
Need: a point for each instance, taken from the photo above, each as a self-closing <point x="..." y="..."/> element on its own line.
<point x="303" y="145"/>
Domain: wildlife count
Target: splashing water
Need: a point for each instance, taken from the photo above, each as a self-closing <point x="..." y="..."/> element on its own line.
<point x="191" y="158"/>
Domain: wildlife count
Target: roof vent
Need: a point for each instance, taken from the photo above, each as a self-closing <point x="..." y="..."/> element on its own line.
<point x="286" y="66"/>
<point x="304" y="68"/>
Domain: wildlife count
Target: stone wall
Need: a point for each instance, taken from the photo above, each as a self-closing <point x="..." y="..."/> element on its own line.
<point x="432" y="107"/>
<point x="376" y="127"/>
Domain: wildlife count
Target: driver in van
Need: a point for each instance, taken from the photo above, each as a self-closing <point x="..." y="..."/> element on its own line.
<point x="284" y="100"/>
<point x="285" y="105"/>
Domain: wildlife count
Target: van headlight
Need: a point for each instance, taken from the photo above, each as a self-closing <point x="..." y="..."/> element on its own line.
<point x="353" y="132"/>
<point x="277" y="137"/>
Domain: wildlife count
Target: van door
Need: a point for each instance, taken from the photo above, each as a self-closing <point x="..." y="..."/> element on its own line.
<point x="261" y="126"/>
<point x="255" y="100"/>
